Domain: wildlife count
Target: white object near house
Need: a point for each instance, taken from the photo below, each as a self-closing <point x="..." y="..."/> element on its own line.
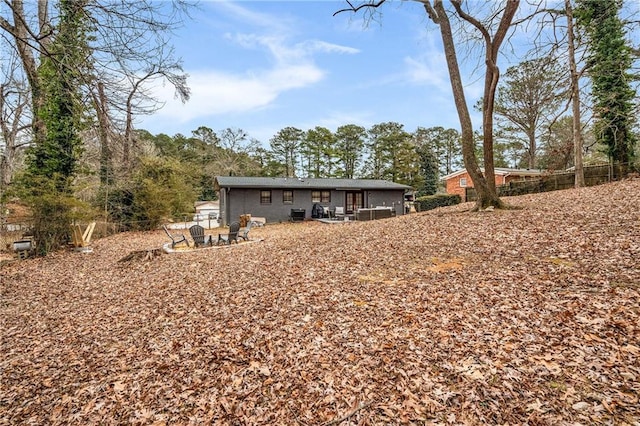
<point x="206" y="210"/>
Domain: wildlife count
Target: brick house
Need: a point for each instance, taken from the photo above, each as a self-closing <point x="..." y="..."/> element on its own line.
<point x="457" y="182"/>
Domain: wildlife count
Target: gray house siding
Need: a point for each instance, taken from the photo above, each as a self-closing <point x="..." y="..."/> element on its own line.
<point x="247" y="201"/>
<point x="240" y="196"/>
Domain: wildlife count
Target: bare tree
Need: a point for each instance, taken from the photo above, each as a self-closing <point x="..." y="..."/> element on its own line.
<point x="565" y="42"/>
<point x="578" y="144"/>
<point x="493" y="31"/>
<point x="14" y="125"/>
<point x="232" y="152"/>
<point x="29" y="42"/>
<point x="129" y="49"/>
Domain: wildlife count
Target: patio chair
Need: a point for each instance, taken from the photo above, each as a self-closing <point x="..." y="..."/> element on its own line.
<point x="232" y="236"/>
<point x="338" y="213"/>
<point x="244" y="234"/>
<point x="197" y="233"/>
<point x="175" y="239"/>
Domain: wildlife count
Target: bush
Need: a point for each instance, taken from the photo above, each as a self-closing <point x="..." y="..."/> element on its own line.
<point x="53" y="210"/>
<point x="431" y="202"/>
<point x="159" y="189"/>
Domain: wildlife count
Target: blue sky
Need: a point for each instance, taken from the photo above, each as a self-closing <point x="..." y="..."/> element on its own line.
<point x="265" y="65"/>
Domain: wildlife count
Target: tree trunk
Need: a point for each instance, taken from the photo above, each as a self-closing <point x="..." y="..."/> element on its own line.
<point x="103" y="131"/>
<point x="484" y="184"/>
<point x="531" y="161"/>
<point x="25" y="46"/>
<point x="10" y="128"/>
<point x="575" y="99"/>
<point x="492" y="74"/>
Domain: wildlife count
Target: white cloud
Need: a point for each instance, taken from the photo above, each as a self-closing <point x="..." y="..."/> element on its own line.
<point x="323" y="46"/>
<point x="217" y="91"/>
<point x="214" y="92"/>
<point x="283" y="52"/>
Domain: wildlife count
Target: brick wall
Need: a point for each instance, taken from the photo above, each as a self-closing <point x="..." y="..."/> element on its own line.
<point x="453" y="185"/>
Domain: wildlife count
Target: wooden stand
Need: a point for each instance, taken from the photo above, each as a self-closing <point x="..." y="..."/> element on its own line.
<point x="82" y="239"/>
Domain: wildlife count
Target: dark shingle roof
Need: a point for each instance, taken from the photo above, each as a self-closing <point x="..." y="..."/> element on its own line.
<point x="305" y="183"/>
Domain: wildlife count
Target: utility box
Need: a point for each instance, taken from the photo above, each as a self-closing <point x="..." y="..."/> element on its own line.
<point x="23" y="248"/>
<point x="297" y="215"/>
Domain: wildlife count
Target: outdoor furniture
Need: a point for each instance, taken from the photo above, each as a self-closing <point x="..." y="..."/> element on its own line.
<point x="244" y="233"/>
<point x="80" y="238"/>
<point x="380" y="212"/>
<point x="339" y="213"/>
<point x="197" y="234"/>
<point x="175" y="239"/>
<point x="232" y="236"/>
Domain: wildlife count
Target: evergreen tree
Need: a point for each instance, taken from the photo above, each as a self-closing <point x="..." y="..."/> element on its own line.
<point x="56" y="157"/>
<point x="530" y="93"/>
<point x="285" y="147"/>
<point x="445" y="145"/>
<point x="318" y="149"/>
<point x="429" y="171"/>
<point x="52" y="164"/>
<point x="609" y="65"/>
<point x="391" y="153"/>
<point x="349" y="149"/>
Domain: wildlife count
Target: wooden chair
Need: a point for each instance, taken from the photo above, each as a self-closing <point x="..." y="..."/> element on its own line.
<point x="175" y="239"/>
<point x="197" y="234"/>
<point x="232" y="236"/>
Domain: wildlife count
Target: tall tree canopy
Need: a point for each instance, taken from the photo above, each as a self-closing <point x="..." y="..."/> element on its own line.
<point x="285" y="147"/>
<point x="350" y="139"/>
<point x="528" y="99"/>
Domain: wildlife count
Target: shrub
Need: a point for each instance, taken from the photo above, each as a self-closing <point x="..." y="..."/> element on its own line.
<point x="53" y="210"/>
<point x="159" y="189"/>
<point x="431" y="202"/>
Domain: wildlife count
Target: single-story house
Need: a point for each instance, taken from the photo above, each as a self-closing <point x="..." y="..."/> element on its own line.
<point x="276" y="199"/>
<point x="206" y="210"/>
<point x="457" y="182"/>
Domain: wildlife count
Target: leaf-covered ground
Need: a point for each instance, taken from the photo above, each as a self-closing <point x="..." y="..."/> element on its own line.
<point x="528" y="316"/>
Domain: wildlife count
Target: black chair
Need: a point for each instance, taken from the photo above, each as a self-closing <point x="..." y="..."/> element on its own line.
<point x="175" y="239"/>
<point x="232" y="236"/>
<point x="197" y="233"/>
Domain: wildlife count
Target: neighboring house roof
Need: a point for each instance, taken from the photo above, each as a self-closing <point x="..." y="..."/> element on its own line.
<point x="306" y="183"/>
<point x="501" y="172"/>
<point x="204" y="204"/>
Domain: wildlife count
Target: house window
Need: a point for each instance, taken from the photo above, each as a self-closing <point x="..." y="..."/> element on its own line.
<point x="320" y="196"/>
<point x="287" y="197"/>
<point x="265" y="197"/>
<point x="463" y="182"/>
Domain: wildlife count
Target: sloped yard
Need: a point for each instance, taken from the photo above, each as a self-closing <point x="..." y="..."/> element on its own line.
<point x="528" y="316"/>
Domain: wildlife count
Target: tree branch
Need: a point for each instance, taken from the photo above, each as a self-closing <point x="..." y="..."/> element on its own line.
<point x="354" y="9"/>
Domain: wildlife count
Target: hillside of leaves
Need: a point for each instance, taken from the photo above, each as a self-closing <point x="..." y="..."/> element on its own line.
<point x="527" y="316"/>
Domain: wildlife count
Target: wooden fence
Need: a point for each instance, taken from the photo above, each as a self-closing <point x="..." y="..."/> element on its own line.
<point x="593" y="175"/>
